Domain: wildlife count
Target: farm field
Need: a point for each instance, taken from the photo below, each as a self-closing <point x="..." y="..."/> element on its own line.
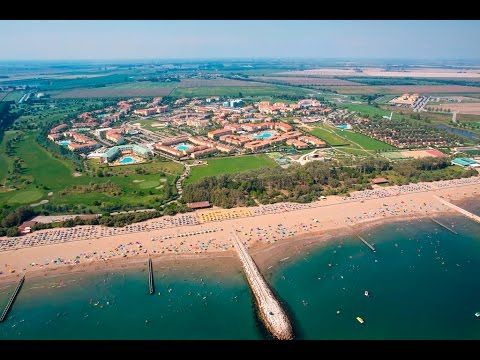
<point x="263" y="90"/>
<point x="401" y="89"/>
<point x="468" y="118"/>
<point x="423" y="72"/>
<point x="230" y="165"/>
<point x="144" y="88"/>
<point x="305" y="80"/>
<point x="461" y="108"/>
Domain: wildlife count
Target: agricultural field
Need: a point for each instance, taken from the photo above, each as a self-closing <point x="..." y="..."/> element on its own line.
<point x="305" y="81"/>
<point x="472" y="108"/>
<point x="235" y="91"/>
<point x="420" y="72"/>
<point x="401" y="89"/>
<point x="11" y="96"/>
<point x="229" y="165"/>
<point x="123" y="90"/>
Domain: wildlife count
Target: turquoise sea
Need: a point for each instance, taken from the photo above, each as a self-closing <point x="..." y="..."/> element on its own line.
<point x="423" y="283"/>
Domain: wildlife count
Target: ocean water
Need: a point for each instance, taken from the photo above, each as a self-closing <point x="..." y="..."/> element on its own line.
<point x="423" y="283"/>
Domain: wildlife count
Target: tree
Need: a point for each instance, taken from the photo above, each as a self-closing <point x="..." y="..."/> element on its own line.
<point x="12" y="231"/>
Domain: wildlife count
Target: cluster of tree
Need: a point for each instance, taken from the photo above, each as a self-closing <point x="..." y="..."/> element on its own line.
<point x="306" y="183"/>
<point x="6" y="117"/>
<point x="11" y="219"/>
<point x="118" y="220"/>
<point x="55" y="149"/>
<point x="407" y="133"/>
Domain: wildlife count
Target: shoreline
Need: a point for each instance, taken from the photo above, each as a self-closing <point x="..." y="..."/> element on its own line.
<point x="206" y="246"/>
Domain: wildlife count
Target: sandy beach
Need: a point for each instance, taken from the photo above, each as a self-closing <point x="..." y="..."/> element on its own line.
<point x="270" y="232"/>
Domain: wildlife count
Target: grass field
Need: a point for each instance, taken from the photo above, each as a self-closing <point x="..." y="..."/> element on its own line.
<point x="49" y="174"/>
<point x="230" y="165"/>
<point x="336" y="137"/>
<point x="328" y="136"/>
<point x="365" y="142"/>
<point x="365" y="109"/>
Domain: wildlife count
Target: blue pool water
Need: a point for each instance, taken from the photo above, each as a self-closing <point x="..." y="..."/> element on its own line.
<point x="64" y="142"/>
<point x="183" y="147"/>
<point x="343" y="126"/>
<point x="263" y="135"/>
<point x="127" y="160"/>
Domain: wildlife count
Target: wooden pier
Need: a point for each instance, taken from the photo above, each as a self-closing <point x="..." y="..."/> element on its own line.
<point x="366" y="243"/>
<point x="12" y="299"/>
<point x="270" y="311"/>
<point x="151" y="284"/>
<point x="443" y="225"/>
<point x="459" y="209"/>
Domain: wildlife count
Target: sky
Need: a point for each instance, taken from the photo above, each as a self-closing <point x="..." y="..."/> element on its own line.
<point x="175" y="39"/>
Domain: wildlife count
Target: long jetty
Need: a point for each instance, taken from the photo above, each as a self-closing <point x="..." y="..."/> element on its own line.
<point x="366" y="243"/>
<point x="151" y="284"/>
<point x="443" y="225"/>
<point x="12" y="299"/>
<point x="270" y="310"/>
<point x="459" y="209"/>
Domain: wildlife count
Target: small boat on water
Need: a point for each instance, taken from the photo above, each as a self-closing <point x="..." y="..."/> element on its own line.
<point x="360" y="320"/>
<point x="366" y="293"/>
<point x="477" y="314"/>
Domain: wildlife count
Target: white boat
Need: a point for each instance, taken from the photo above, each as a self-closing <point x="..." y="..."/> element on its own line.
<point x="366" y="293"/>
<point x="477" y="314"/>
<point x="360" y="320"/>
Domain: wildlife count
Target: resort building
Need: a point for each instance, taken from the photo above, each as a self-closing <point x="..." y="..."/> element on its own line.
<point x="174" y="140"/>
<point x="199" y="205"/>
<point x="115" y="136"/>
<point x="312" y="140"/>
<point x="54" y="136"/>
<point x="215" y="134"/>
<point x="169" y="150"/>
<point x="116" y="151"/>
<point x="203" y="153"/>
<point x="297" y="143"/>
<point x="58" y="128"/>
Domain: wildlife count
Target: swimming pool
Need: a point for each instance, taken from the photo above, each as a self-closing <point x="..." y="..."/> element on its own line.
<point x="127" y="160"/>
<point x="263" y="135"/>
<point x="64" y="142"/>
<point x="344" y="126"/>
<point x="183" y="147"/>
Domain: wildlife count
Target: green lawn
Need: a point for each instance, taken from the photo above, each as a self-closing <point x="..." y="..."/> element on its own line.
<point x="365" y="109"/>
<point x="50" y="174"/>
<point x="229" y="165"/>
<point x="364" y="141"/>
<point x="328" y="136"/>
